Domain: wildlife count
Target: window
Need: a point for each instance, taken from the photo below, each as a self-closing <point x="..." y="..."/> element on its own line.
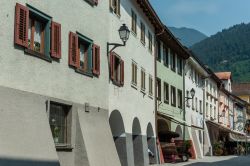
<point x="201" y="107"/>
<point x="173" y="96"/>
<point x="158" y="51"/>
<point x="166" y="93"/>
<point x="143" y="75"/>
<point x="37" y="33"/>
<point x="115" y="6"/>
<point x="142" y="33"/>
<point x="117" y="69"/>
<point x="150" y="42"/>
<point x="196" y="104"/>
<point x="165" y="56"/>
<point x="134" y="73"/>
<point x="179" y="98"/>
<point x="188" y="103"/>
<point x="179" y="65"/>
<point x="84" y="56"/>
<point x="207" y="109"/>
<point x="59" y="119"/>
<point x="214" y="112"/>
<point x="193" y="108"/>
<point x="150" y="85"/>
<point x="134" y="22"/>
<point x="158" y="84"/>
<point x="211" y="111"/>
<point x="172" y="60"/>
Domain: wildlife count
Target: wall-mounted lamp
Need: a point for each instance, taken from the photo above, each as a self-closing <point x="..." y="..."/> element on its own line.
<point x="192" y="93"/>
<point x="124" y="36"/>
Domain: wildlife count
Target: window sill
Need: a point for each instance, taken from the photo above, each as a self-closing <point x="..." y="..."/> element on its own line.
<point x="166" y="102"/>
<point x="37" y="54"/>
<point x="150" y="96"/>
<point x="143" y="91"/>
<point x="173" y="105"/>
<point x="80" y="71"/>
<point x="64" y="147"/>
<point x="134" y="85"/>
<point x="117" y="83"/>
<point x="143" y="43"/>
<point x="134" y="34"/>
<point x="115" y="14"/>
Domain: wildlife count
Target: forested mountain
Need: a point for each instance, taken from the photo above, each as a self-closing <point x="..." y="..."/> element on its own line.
<point x="187" y="36"/>
<point x="228" y="50"/>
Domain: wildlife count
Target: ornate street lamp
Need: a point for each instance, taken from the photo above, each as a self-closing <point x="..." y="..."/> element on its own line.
<point x="124" y="36"/>
<point x="192" y="93"/>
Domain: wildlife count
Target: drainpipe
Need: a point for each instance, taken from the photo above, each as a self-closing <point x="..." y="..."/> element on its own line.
<point x="203" y="111"/>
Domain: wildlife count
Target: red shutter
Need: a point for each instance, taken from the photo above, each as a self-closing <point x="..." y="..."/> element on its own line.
<point x="122" y="73"/>
<point x="74" y="59"/>
<point x="55" y="40"/>
<point x="96" y="59"/>
<point x="112" y="65"/>
<point x="21" y="25"/>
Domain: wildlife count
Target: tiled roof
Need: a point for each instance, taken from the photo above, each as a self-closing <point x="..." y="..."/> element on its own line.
<point x="241" y="88"/>
<point x="223" y="75"/>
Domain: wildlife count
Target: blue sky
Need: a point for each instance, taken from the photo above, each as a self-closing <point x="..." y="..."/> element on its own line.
<point x="207" y="16"/>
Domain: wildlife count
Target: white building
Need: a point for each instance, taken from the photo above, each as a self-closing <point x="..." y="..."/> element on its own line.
<point x="62" y="91"/>
<point x="195" y="75"/>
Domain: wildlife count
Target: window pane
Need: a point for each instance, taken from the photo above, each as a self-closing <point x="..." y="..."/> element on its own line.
<point x="82" y="53"/>
<point x="37" y="36"/>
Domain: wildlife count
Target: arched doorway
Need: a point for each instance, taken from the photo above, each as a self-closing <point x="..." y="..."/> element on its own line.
<point x="119" y="135"/>
<point x="151" y="145"/>
<point x="179" y="131"/>
<point x="137" y="143"/>
<point x="163" y="129"/>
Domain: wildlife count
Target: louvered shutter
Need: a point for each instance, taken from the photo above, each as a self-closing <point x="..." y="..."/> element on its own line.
<point x="55" y="40"/>
<point x="112" y="66"/>
<point x="96" y="59"/>
<point x="122" y="73"/>
<point x="74" y="59"/>
<point x="21" y="25"/>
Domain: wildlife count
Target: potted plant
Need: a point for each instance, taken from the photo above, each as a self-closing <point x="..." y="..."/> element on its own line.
<point x="56" y="132"/>
<point x="218" y="149"/>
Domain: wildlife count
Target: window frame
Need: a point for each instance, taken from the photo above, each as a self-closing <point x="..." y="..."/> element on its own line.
<point x="166" y="93"/>
<point x="133" y="22"/>
<point x="173" y="96"/>
<point x="143" y="33"/>
<point x="179" y="66"/>
<point x="66" y="145"/>
<point x="115" y="9"/>
<point x="166" y="56"/>
<point x="143" y="80"/>
<point x="117" y="79"/>
<point x="150" y="42"/>
<point x="158" y="51"/>
<point x="150" y="78"/>
<point x="173" y="61"/>
<point x="158" y="88"/>
<point x="180" y="98"/>
<point x="134" y="80"/>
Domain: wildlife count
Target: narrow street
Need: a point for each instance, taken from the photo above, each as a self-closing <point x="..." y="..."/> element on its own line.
<point x="216" y="161"/>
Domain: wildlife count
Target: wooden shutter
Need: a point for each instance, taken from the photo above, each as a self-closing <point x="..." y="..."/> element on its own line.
<point x="96" y="59"/>
<point x="21" y="25"/>
<point x="122" y="73"/>
<point x="74" y="57"/>
<point x="112" y="66"/>
<point x="55" y="40"/>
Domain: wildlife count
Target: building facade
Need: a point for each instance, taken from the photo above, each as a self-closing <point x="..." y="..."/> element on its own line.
<point x="195" y="75"/>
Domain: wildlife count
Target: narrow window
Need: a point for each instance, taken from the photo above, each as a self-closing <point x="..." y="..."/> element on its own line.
<point x="150" y="85"/>
<point x="196" y="104"/>
<point x="179" y="65"/>
<point x="143" y="33"/>
<point x="143" y="79"/>
<point x="165" y="56"/>
<point x="207" y="109"/>
<point x="172" y="60"/>
<point x="117" y="69"/>
<point x="173" y="96"/>
<point x="115" y="6"/>
<point x="188" y="103"/>
<point x="59" y="123"/>
<point x="134" y="73"/>
<point x="158" y="84"/>
<point x="150" y="42"/>
<point x="166" y="93"/>
<point x="179" y="98"/>
<point x="159" y="51"/>
<point x="201" y="107"/>
<point x="134" y="22"/>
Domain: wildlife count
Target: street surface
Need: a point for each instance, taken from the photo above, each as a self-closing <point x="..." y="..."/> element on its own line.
<point x="216" y="161"/>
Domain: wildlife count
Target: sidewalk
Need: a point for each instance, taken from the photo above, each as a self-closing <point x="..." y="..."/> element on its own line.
<point x="206" y="159"/>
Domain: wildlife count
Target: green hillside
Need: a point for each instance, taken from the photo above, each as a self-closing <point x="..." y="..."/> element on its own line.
<point x="228" y="50"/>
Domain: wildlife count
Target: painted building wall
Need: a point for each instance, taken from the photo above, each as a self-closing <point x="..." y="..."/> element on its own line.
<point x="223" y="109"/>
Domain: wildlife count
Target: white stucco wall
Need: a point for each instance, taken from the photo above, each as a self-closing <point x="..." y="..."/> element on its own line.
<point x="131" y="102"/>
<point x="56" y="79"/>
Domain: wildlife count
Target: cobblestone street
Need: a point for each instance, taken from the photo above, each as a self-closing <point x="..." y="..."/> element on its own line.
<point x="216" y="161"/>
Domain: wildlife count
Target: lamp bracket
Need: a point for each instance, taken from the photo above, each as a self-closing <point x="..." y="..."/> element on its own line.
<point x="115" y="45"/>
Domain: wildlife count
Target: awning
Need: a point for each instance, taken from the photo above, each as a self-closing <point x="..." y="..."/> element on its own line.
<point x="237" y="137"/>
<point x="171" y="118"/>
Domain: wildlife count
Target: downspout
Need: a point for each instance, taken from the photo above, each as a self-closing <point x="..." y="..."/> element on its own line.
<point x="184" y="107"/>
<point x="204" y="120"/>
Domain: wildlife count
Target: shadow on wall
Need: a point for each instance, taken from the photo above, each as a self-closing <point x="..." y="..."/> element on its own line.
<point x="26" y="162"/>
